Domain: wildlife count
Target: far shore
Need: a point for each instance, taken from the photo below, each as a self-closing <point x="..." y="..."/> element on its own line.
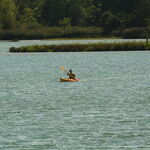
<point x="55" y="39"/>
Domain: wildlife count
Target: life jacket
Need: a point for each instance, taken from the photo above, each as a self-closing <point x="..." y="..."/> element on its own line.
<point x="71" y="75"/>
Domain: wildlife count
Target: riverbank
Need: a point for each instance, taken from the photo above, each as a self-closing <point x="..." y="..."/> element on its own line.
<point x="70" y="32"/>
<point x="51" y="33"/>
<point x="124" y="46"/>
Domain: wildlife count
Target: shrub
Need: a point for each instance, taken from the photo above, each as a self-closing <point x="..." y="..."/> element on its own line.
<point x="136" y="33"/>
<point x="50" y="32"/>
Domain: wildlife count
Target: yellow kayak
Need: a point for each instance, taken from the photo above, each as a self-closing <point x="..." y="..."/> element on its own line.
<point x="68" y="80"/>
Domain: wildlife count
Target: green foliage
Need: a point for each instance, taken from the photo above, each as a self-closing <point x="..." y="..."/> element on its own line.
<point x="111" y="15"/>
<point x="50" y="32"/>
<point x="28" y="16"/>
<point x="7" y="14"/>
<point x="110" y="22"/>
<point x="53" y="11"/>
<point x="84" y="47"/>
<point x="136" y="32"/>
<point x="66" y="22"/>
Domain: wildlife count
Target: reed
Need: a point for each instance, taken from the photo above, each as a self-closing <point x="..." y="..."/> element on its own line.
<point x="50" y="32"/>
<point x="124" y="46"/>
<point x="136" y="32"/>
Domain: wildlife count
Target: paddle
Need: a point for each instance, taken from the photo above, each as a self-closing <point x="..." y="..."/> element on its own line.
<point x="63" y="68"/>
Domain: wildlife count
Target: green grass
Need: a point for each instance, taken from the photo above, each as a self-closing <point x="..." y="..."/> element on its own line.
<point x="124" y="46"/>
<point x="51" y="33"/>
<point x="85" y="38"/>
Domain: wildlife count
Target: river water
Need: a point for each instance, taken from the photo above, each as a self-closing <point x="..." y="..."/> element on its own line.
<point x="108" y="110"/>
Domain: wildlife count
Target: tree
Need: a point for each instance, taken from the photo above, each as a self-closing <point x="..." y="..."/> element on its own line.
<point x="75" y="11"/>
<point x="93" y="13"/>
<point x="66" y="22"/>
<point x="142" y="14"/>
<point x="28" y="18"/>
<point x="52" y="12"/>
<point x="110" y="22"/>
<point x="8" y="14"/>
<point x="34" y="5"/>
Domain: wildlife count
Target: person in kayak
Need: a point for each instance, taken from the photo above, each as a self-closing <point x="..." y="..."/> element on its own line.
<point x="71" y="75"/>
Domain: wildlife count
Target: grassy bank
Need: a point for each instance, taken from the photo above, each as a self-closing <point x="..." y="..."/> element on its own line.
<point x="83" y="47"/>
<point x="50" y="32"/>
<point x="71" y="32"/>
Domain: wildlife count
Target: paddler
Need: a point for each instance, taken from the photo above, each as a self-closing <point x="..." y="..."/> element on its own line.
<point x="71" y="75"/>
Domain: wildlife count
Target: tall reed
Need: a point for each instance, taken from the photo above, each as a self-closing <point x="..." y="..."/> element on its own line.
<point x="50" y="32"/>
<point x="124" y="46"/>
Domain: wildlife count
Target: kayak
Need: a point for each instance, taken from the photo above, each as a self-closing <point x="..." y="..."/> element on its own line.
<point x="68" y="80"/>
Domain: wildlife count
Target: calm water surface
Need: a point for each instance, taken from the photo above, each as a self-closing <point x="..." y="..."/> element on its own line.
<point x="108" y="109"/>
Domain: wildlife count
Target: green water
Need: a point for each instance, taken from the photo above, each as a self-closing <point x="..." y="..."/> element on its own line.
<point x="108" y="109"/>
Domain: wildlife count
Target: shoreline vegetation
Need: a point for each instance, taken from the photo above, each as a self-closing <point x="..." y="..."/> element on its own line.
<point x="70" y="32"/>
<point x="51" y="33"/>
<point x="96" y="47"/>
<point x="38" y="19"/>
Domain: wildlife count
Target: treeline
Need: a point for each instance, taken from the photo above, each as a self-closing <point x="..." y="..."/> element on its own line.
<point x="125" y="18"/>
